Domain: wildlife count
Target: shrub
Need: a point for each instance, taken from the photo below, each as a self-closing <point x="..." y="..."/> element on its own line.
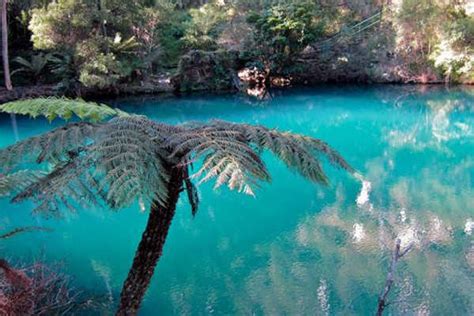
<point x="282" y="31"/>
<point x="61" y="24"/>
<point x="106" y="40"/>
<point x="35" y="67"/>
<point x="203" y="27"/>
<point x="454" y="54"/>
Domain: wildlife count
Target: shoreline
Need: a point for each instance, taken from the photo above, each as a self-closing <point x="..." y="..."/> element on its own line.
<point x="37" y="91"/>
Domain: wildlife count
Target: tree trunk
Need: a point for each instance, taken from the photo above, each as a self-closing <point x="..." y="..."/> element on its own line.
<point x="6" y="66"/>
<point x="150" y="248"/>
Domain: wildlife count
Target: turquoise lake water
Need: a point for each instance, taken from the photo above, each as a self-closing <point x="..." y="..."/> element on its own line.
<point x="295" y="249"/>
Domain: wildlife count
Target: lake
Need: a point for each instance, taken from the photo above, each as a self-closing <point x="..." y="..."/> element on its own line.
<point x="295" y="248"/>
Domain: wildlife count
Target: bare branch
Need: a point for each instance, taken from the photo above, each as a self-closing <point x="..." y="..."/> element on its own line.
<point x="26" y="229"/>
<point x="396" y="255"/>
<point x="407" y="249"/>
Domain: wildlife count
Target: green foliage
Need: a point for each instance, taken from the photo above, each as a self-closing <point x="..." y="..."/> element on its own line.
<point x="419" y="20"/>
<point x="103" y="62"/>
<point x="419" y="13"/>
<point x="66" y="109"/>
<point x="104" y="39"/>
<point x="461" y="29"/>
<point x="454" y="53"/>
<point x="101" y="71"/>
<point x="61" y="24"/>
<point x="282" y="31"/>
<point x="64" y="68"/>
<point x="35" y="67"/>
<point x="201" y="70"/>
<point x="131" y="157"/>
<point x="436" y="35"/>
<point x="120" y="46"/>
<point x="171" y="30"/>
<point x="439" y="35"/>
<point x="203" y="27"/>
<point x="100" y="44"/>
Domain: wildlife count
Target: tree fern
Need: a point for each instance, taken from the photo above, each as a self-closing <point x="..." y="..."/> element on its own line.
<point x="129" y="157"/>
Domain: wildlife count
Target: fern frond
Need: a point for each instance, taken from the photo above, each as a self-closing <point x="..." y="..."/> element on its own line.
<point x="52" y="108"/>
<point x="120" y="163"/>
<point x="131" y="157"/>
<point x="226" y="157"/>
<point x="16" y="182"/>
<point x="56" y="145"/>
<point x="54" y="187"/>
<point x="298" y="152"/>
<point x="232" y="153"/>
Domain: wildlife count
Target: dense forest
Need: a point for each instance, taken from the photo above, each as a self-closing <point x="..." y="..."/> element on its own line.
<point x="75" y="47"/>
<point x="391" y="233"/>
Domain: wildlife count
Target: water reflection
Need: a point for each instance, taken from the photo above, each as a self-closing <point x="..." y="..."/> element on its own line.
<point x="439" y="124"/>
<point x="15" y="127"/>
<point x="349" y="244"/>
<point x="344" y="252"/>
<point x="298" y="249"/>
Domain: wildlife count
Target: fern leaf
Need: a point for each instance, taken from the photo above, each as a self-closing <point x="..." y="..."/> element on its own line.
<point x="56" y="145"/>
<point x="227" y="158"/>
<point x="130" y="158"/>
<point x="52" y="108"/>
<point x="299" y="153"/>
<point x="117" y="165"/>
<point x="15" y="182"/>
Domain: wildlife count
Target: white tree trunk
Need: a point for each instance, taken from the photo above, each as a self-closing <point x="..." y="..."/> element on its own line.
<point x="6" y="66"/>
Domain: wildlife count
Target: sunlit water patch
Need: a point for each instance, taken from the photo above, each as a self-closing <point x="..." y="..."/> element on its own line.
<point x="295" y="248"/>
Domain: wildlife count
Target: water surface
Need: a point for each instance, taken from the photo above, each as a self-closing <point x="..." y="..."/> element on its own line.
<point x="296" y="248"/>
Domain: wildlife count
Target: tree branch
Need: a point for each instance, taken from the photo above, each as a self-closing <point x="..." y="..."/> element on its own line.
<point x="24" y="230"/>
<point x="382" y="303"/>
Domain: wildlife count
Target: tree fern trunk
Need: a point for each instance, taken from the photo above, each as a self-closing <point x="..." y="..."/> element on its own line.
<point x="150" y="248"/>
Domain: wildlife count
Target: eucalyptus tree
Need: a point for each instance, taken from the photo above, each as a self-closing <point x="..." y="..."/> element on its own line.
<point x="130" y="157"/>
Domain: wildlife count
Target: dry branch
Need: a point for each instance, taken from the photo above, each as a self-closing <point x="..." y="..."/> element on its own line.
<point x="396" y="256"/>
<point x="24" y="230"/>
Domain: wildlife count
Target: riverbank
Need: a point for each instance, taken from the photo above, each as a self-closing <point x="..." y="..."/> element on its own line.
<point x="147" y="90"/>
<point x="223" y="46"/>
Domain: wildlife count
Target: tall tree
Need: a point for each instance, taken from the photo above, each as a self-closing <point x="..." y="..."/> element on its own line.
<point x="6" y="66"/>
<point x="131" y="157"/>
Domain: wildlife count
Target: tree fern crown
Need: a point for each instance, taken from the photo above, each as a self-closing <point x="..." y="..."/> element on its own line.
<point x="130" y="157"/>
